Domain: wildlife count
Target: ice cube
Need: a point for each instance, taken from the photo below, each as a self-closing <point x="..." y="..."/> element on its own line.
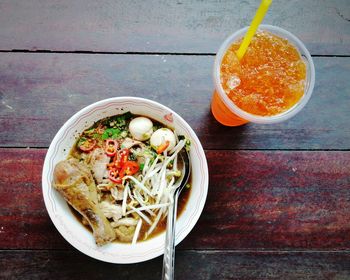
<point x="233" y="82"/>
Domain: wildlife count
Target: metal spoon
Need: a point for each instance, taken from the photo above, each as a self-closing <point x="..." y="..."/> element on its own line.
<point x="169" y="251"/>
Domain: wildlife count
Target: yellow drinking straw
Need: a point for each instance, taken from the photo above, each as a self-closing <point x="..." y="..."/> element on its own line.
<point x="259" y="16"/>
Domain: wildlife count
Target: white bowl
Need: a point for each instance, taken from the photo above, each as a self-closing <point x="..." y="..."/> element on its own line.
<point x="72" y="230"/>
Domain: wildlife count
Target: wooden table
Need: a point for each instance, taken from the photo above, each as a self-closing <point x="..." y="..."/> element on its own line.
<point x="278" y="205"/>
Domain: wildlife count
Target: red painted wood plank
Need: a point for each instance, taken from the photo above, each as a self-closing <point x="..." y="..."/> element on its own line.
<point x="256" y="200"/>
<point x="274" y="200"/>
<point x="164" y="26"/>
<point x="39" y="92"/>
<point x="188" y="265"/>
<point x="24" y="222"/>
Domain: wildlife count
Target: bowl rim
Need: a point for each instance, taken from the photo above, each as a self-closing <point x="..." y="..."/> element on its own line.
<point x="53" y="151"/>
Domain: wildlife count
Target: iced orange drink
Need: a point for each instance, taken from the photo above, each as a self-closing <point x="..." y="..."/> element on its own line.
<point x="272" y="81"/>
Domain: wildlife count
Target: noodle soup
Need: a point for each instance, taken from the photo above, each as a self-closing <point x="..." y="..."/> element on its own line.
<point x="120" y="176"/>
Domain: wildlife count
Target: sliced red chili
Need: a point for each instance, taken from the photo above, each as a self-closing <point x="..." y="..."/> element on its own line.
<point x="113" y="175"/>
<point x="121" y="166"/>
<point x="111" y="147"/>
<point x="87" y="145"/>
<point x="121" y="158"/>
<point x="129" y="168"/>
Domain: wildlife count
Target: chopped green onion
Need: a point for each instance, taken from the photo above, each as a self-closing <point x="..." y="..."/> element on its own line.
<point x="113" y="133"/>
<point x="142" y="165"/>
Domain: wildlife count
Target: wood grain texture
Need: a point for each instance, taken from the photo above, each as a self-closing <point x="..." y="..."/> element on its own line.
<point x="39" y="92"/>
<point x="199" y="265"/>
<point x="256" y="200"/>
<point x="24" y="220"/>
<point x="164" y="26"/>
<point x="271" y="200"/>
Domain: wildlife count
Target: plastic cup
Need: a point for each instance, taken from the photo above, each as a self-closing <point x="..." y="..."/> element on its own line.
<point x="227" y="113"/>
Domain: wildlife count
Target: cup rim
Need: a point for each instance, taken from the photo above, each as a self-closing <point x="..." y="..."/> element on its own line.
<point x="310" y="79"/>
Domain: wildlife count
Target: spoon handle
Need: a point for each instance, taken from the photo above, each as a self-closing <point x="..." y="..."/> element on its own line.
<point x="169" y="252"/>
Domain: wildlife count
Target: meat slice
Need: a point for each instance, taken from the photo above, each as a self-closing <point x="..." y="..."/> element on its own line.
<point x="98" y="162"/>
